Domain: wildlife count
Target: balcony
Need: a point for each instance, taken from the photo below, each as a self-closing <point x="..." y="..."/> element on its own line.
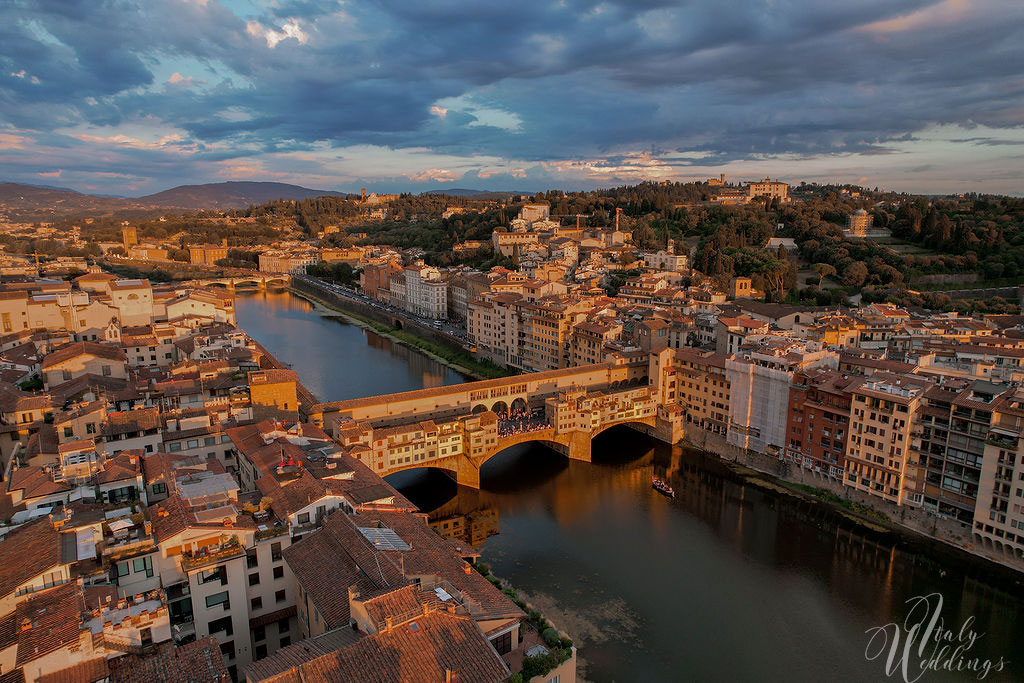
<point x="212" y="554"/>
<point x="121" y="644"/>
<point x="184" y="630"/>
<point x="272" y="532"/>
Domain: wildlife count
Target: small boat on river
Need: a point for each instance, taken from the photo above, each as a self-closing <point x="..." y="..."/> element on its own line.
<point x="662" y="487"/>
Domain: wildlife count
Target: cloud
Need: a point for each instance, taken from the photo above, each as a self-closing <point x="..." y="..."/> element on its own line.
<point x="574" y="91"/>
<point x="434" y="175"/>
<point x="290" y="29"/>
<point x="52" y="174"/>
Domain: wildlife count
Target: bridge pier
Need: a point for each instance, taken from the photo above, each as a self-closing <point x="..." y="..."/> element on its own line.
<point x="579" y="446"/>
<point x="468" y="474"/>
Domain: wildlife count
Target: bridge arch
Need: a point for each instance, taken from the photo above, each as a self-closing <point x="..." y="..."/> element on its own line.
<point x="479" y="408"/>
<point x="424" y="466"/>
<point x="518" y="405"/>
<point x="559" y="448"/>
<point x="640" y="424"/>
<point x="500" y="408"/>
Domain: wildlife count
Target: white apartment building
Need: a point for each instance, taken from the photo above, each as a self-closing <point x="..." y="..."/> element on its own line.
<point x="426" y="292"/>
<point x="760" y="376"/>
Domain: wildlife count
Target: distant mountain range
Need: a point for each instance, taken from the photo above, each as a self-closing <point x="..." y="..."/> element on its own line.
<point x="36" y="202"/>
<point x="40" y="202"/>
<point x="231" y="195"/>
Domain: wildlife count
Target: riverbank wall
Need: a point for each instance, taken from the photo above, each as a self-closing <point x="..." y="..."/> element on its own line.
<point x="915" y="520"/>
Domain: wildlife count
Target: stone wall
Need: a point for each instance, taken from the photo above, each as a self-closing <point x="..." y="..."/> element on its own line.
<point x="917" y="520"/>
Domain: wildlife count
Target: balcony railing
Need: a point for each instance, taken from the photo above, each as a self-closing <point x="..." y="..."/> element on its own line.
<point x="212" y="554"/>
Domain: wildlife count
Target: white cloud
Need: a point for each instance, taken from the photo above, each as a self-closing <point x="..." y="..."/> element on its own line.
<point x="439" y="112"/>
<point x="441" y="175"/>
<point x="291" y="29"/>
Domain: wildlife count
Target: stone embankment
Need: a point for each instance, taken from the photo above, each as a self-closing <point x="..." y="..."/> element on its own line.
<point x="858" y="506"/>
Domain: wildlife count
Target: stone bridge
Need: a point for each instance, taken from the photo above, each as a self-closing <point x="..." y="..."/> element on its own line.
<point x="574" y="444"/>
<point x="248" y="281"/>
<point x="460" y="427"/>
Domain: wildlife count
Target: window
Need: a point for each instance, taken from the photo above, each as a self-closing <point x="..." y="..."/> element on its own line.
<point x="69" y="432"/>
<point x="261" y="651"/>
<point x="228" y="649"/>
<point x="218" y="625"/>
<point x="278" y="572"/>
<point x="209" y="441"/>
<point x="283" y="626"/>
<point x="251" y="559"/>
<point x="90" y="427"/>
<point x="254" y="579"/>
<point x="143" y="564"/>
<point x="257" y="603"/>
<point x="286" y="641"/>
<point x="193" y="443"/>
<point x="211" y="575"/>
<point x="174" y="447"/>
<point x="279" y="595"/>
<point x="122" y="569"/>
<point x="65" y="375"/>
<point x="159" y="487"/>
<point x="275" y="551"/>
<point x="218" y="599"/>
<point x="106" y="371"/>
<point x="304" y="518"/>
<point x="503" y="643"/>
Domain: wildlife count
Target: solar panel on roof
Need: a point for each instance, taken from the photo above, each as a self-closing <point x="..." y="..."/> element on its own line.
<point x="383" y="538"/>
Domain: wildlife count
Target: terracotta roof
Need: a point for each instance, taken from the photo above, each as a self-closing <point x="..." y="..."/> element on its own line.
<point x="8" y="630"/>
<point x="273" y="376"/>
<point x="172" y="515"/>
<point x="127" y="421"/>
<point x="48" y="621"/>
<point x="34" y="482"/>
<point x="122" y="467"/>
<point x="403" y="601"/>
<point x="12" y="398"/>
<point x="197" y="662"/>
<point x="89" y="671"/>
<point x="429" y="649"/>
<point x="290" y="658"/>
<point x="450" y="389"/>
<point x="73" y="350"/>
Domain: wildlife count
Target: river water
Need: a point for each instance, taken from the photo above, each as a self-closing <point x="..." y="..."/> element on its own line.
<point x="728" y="582"/>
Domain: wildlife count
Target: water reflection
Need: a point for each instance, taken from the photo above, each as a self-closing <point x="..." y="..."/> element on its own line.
<point x="336" y="360"/>
<point x="728" y="581"/>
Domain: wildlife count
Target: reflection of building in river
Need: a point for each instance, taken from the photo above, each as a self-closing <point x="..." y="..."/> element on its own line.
<point x="431" y="373"/>
<point x="464" y="517"/>
<point x="473" y="527"/>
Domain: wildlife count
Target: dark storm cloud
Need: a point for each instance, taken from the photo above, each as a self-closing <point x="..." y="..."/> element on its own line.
<point x="731" y="79"/>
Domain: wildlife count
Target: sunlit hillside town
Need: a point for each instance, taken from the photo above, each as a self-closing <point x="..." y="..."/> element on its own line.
<point x="171" y="491"/>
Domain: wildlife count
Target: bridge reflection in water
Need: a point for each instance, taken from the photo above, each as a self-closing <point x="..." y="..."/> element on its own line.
<point x="657" y="586"/>
<point x="728" y="581"/>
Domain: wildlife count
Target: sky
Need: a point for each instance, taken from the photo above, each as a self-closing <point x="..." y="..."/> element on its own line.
<point x="130" y="98"/>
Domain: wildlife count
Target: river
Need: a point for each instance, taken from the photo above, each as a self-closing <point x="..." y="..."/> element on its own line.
<point x="728" y="582"/>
